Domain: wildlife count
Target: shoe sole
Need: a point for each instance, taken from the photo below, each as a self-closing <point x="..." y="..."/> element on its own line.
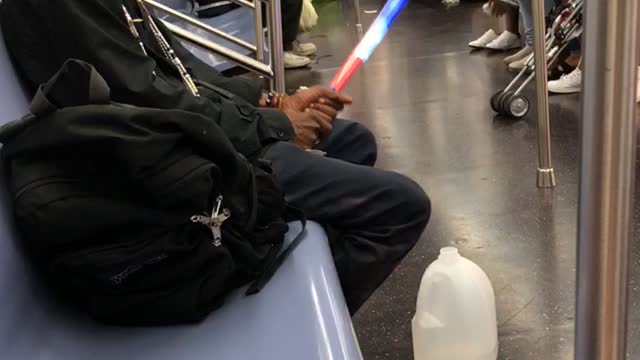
<point x="289" y="67"/>
<point x="307" y="53"/>
<point x="567" y="91"/>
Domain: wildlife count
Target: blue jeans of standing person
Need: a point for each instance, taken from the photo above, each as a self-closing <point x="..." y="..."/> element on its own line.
<point x="527" y="17"/>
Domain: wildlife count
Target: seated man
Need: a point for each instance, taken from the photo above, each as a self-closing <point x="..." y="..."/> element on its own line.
<point x="374" y="217"/>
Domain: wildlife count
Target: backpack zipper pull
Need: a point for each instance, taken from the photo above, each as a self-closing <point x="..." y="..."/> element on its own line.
<point x="215" y="221"/>
<point x="216" y="227"/>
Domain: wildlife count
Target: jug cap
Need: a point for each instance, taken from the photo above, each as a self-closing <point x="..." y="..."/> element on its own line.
<point x="449" y="253"/>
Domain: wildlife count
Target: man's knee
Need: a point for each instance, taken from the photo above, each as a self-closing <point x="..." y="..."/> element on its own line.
<point x="363" y="140"/>
<point x="411" y="204"/>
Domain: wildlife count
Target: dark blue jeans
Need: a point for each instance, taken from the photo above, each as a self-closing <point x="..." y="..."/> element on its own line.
<point x="373" y="217"/>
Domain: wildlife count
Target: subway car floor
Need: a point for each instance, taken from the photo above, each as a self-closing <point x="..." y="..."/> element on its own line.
<point x="426" y="97"/>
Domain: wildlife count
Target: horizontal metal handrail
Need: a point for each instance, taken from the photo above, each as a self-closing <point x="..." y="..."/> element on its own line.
<point x="242" y="60"/>
<point x="244" y="3"/>
<point x="202" y="25"/>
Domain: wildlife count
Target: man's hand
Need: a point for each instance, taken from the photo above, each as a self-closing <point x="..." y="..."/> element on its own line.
<point x="317" y="98"/>
<point x="308" y="126"/>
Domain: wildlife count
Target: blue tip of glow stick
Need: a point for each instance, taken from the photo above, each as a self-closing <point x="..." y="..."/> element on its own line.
<point x="379" y="28"/>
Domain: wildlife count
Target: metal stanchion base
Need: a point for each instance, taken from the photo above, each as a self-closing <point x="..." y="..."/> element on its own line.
<point x="359" y="28"/>
<point x="546" y="178"/>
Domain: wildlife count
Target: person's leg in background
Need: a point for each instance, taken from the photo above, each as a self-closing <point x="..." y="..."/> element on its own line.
<point x="517" y="61"/>
<point x="291" y="11"/>
<point x="508" y="39"/>
<point x="296" y="54"/>
<point x="374" y="217"/>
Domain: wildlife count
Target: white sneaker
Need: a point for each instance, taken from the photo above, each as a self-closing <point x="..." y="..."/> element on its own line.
<point x="304" y="49"/>
<point x="522" y="54"/>
<point x="506" y="41"/>
<point x="483" y="40"/>
<point x="567" y="84"/>
<point x="293" y="61"/>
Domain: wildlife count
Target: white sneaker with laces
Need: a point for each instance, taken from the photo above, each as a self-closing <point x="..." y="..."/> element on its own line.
<point x="293" y="61"/>
<point x="483" y="40"/>
<point x="567" y="84"/>
<point x="304" y="48"/>
<point x="506" y="41"/>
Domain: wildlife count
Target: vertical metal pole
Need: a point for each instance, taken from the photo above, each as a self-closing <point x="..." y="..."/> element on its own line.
<point x="276" y="51"/>
<point x="546" y="178"/>
<point x="606" y="178"/>
<point x="358" y="13"/>
<point x="257" y="24"/>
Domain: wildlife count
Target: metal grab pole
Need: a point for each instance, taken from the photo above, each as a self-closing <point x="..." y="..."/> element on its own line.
<point x="276" y="50"/>
<point x="606" y="178"/>
<point x="257" y="25"/>
<point x="545" y="176"/>
<point x="356" y="9"/>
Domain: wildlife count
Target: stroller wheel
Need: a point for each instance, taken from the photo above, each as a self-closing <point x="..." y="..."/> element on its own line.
<point x="496" y="101"/>
<point x="503" y="103"/>
<point x="516" y="105"/>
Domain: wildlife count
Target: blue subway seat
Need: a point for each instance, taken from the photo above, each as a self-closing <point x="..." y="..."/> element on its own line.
<point x="237" y="22"/>
<point x="300" y="315"/>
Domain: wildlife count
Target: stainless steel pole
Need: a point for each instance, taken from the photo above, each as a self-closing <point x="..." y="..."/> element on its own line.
<point x="606" y="178"/>
<point x="358" y="13"/>
<point x="257" y="24"/>
<point x="274" y="25"/>
<point x="546" y="178"/>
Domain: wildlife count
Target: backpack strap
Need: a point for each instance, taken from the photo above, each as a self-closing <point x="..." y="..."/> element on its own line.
<point x="259" y="283"/>
<point x="74" y="74"/>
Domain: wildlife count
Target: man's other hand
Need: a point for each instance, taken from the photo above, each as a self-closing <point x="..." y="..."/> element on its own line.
<point x="309" y="125"/>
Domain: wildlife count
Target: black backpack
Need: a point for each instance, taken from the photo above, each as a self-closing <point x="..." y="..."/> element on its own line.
<point x="142" y="216"/>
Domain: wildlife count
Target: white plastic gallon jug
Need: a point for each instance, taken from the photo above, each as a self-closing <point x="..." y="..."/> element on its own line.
<point x="456" y="313"/>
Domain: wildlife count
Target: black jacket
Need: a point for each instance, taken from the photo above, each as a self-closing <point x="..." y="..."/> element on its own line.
<point x="42" y="34"/>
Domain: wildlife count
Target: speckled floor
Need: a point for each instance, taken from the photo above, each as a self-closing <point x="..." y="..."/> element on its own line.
<point x="425" y="95"/>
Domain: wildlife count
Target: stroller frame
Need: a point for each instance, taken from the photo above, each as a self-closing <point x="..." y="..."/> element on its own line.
<point x="565" y="27"/>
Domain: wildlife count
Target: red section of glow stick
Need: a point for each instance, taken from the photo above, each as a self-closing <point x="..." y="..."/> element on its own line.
<point x="350" y="66"/>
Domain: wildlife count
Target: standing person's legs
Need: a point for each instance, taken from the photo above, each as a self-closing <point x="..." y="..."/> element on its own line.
<point x="377" y="215"/>
<point x="291" y="10"/>
<point x="526" y="13"/>
<point x="512" y="20"/>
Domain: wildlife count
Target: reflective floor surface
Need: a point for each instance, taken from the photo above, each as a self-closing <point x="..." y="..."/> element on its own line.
<point x="426" y="97"/>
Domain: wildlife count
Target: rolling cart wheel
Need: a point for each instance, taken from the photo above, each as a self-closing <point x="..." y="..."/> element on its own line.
<point x="495" y="101"/>
<point x="503" y="103"/>
<point x="517" y="106"/>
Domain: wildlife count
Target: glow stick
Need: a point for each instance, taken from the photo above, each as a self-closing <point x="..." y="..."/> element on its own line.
<point x="369" y="42"/>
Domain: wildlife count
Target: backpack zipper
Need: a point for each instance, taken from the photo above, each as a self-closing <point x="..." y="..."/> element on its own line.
<point x="215" y="221"/>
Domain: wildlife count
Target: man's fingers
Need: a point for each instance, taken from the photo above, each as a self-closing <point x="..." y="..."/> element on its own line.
<point x="325" y="109"/>
<point x="334" y="96"/>
<point x="323" y="121"/>
<point x="338" y="106"/>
